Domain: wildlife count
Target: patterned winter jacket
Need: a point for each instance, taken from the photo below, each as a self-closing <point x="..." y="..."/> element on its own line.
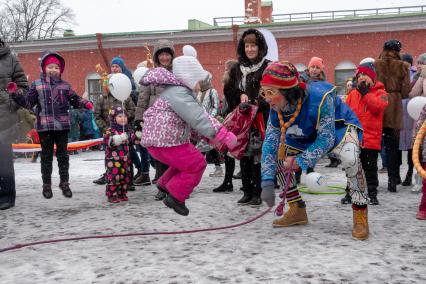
<point x="169" y="120"/>
<point x="52" y="98"/>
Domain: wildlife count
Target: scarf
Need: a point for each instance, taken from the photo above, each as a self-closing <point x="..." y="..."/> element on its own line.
<point x="247" y="70"/>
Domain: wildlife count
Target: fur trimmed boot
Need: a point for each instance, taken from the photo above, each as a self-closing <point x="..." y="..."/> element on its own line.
<point x="296" y="215"/>
<point x="360" y="229"/>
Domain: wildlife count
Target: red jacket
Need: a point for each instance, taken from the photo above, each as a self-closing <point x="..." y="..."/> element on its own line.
<point x="370" y="109"/>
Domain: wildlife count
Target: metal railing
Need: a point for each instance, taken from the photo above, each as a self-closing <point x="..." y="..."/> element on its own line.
<point x="326" y="15"/>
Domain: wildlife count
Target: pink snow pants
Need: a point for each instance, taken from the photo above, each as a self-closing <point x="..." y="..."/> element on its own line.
<point x="186" y="167"/>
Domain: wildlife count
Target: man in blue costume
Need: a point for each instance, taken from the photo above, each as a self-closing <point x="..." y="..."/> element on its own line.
<point x="306" y="123"/>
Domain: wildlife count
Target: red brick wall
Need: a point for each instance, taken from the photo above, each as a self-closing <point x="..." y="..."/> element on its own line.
<point x="333" y="49"/>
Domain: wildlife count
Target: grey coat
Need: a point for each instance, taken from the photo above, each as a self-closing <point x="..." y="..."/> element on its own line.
<point x="10" y="71"/>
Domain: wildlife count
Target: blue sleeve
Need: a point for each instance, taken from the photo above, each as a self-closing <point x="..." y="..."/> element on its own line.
<point x="270" y="151"/>
<point x="325" y="137"/>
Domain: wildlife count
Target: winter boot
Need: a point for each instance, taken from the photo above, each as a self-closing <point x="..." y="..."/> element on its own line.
<point x="161" y="194"/>
<point x="177" y="206"/>
<point x="66" y="191"/>
<point x="408" y="179"/>
<point x="392" y="186"/>
<point x="131" y="187"/>
<point x="218" y="172"/>
<point x="373" y="200"/>
<point x="347" y="199"/>
<point x="296" y="215"/>
<point x="256" y="201"/>
<point x="334" y="163"/>
<point x="421" y="215"/>
<point x="113" y="199"/>
<point x="47" y="191"/>
<point x="100" y="180"/>
<point x="224" y="187"/>
<point x="246" y="198"/>
<point x="142" y="179"/>
<point x="360" y="223"/>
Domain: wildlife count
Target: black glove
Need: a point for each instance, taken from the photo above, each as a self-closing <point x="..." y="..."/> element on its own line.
<point x="363" y="88"/>
<point x="138" y="125"/>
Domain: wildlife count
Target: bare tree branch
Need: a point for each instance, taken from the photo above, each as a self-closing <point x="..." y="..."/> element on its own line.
<point x="33" y="19"/>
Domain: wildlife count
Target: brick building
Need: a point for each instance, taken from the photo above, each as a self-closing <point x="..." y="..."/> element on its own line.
<point x="342" y="39"/>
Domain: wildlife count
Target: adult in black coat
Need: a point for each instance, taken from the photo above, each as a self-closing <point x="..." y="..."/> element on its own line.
<point x="10" y="71"/>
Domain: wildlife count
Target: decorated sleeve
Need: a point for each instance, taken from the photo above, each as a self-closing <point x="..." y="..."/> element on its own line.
<point x="269" y="151"/>
<point x="325" y="137"/>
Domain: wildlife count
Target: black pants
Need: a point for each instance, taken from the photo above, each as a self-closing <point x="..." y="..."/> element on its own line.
<point x="229" y="169"/>
<point x="214" y="154"/>
<point x="47" y="140"/>
<point x="369" y="165"/>
<point x="391" y="142"/>
<point x="7" y="175"/>
<point x="250" y="176"/>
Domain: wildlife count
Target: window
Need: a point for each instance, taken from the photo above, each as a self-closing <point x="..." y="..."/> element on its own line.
<point x="342" y="72"/>
<point x="94" y="87"/>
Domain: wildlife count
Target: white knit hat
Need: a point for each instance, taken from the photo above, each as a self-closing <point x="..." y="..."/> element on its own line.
<point x="188" y="70"/>
<point x="366" y="60"/>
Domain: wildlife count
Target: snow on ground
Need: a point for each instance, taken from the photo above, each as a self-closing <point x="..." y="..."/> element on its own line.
<point x="320" y="252"/>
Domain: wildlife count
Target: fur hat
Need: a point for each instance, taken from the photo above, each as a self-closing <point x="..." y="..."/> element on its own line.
<point x="188" y="70"/>
<point x="281" y="75"/>
<point x="393" y="44"/>
<point x="367" y="69"/>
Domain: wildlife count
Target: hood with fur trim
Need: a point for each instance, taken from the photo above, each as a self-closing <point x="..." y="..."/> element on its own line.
<point x="163" y="45"/>
<point x="260" y="42"/>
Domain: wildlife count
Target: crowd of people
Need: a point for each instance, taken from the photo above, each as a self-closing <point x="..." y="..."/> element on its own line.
<point x="173" y="121"/>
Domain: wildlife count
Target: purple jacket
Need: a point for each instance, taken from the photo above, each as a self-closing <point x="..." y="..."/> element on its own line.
<point x="52" y="98"/>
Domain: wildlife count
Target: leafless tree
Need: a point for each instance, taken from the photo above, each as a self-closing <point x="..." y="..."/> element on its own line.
<point x="33" y="19"/>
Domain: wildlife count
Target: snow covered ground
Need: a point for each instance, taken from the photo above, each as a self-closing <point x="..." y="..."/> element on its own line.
<point x="320" y="252"/>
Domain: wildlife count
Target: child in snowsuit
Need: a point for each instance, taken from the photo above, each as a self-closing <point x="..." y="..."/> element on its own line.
<point x="368" y="101"/>
<point x="117" y="140"/>
<point x="167" y="129"/>
<point x="52" y="97"/>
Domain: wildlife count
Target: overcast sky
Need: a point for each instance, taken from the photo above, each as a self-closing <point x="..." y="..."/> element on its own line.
<point x="110" y="16"/>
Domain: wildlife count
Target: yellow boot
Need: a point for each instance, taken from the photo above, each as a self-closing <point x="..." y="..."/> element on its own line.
<point x="296" y="215"/>
<point x="360" y="226"/>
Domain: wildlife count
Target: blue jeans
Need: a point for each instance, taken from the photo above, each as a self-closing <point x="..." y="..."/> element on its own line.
<point x="144" y="159"/>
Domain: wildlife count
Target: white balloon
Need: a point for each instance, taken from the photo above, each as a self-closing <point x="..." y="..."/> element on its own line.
<point x="138" y="74"/>
<point x="271" y="42"/>
<point x="189" y="50"/>
<point x="316" y="182"/>
<point x="415" y="106"/>
<point x="120" y="86"/>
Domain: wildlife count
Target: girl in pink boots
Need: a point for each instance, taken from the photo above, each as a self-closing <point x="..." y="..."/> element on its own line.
<point x="167" y="129"/>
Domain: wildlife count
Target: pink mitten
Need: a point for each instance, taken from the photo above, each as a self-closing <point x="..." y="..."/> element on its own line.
<point x="226" y="137"/>
<point x="11" y="87"/>
<point x="89" y="105"/>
